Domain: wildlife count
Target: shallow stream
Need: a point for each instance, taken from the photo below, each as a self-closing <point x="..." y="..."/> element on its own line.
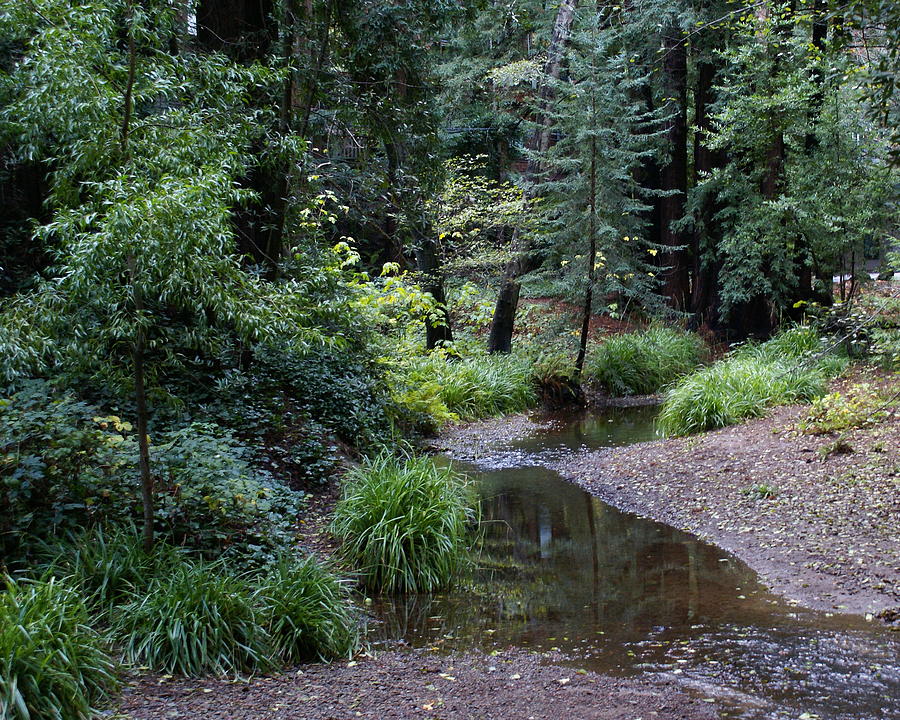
<point x="618" y="594"/>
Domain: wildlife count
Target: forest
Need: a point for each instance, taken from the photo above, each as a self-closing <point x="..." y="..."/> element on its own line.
<point x="296" y="295"/>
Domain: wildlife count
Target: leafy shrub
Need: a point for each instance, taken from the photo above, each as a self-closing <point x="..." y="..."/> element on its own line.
<point x="733" y="390"/>
<point x="198" y="618"/>
<point x="52" y="664"/>
<point x="335" y="390"/>
<point x="307" y="611"/>
<point x="643" y="362"/>
<point x="404" y="523"/>
<point x="210" y="496"/>
<point x="61" y="465"/>
<point x="65" y="465"/>
<point x="835" y="411"/>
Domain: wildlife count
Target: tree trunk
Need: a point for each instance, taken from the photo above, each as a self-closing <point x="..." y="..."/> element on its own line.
<point x="437" y="330"/>
<point x="140" y="340"/>
<point x="673" y="177"/>
<point x="707" y="265"/>
<point x="503" y="323"/>
<point x="140" y="401"/>
<point x="592" y="258"/>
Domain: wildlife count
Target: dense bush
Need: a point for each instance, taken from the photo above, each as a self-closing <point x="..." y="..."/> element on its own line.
<point x="211" y="497"/>
<point x="306" y="611"/>
<point x="52" y="663"/>
<point x="324" y="389"/>
<point x="783" y="370"/>
<point x="64" y="465"/>
<point x="404" y="523"/>
<point x="642" y="362"/>
<point x="197" y="618"/>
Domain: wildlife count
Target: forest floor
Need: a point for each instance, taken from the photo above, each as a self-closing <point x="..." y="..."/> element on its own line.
<point x="415" y="685"/>
<point x="817" y="520"/>
<point x="828" y="538"/>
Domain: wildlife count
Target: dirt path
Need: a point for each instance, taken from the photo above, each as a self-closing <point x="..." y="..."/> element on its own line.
<point x="828" y="537"/>
<point x="416" y="685"/>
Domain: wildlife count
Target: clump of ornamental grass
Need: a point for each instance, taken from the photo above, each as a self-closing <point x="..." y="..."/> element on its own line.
<point x="783" y="370"/>
<point x="198" y="618"/>
<point x="643" y="362"/>
<point x="404" y="524"/>
<point x="307" y="612"/>
<point x="52" y="663"/>
<point x="469" y="388"/>
<point x="109" y="564"/>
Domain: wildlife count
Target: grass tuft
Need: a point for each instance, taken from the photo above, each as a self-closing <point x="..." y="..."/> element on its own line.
<point x="52" y="664"/>
<point x="641" y="363"/>
<point x="307" y="610"/>
<point x="196" y="619"/>
<point x="783" y="370"/>
<point x="404" y="523"/>
<point x="109" y="564"/>
<point x="444" y="389"/>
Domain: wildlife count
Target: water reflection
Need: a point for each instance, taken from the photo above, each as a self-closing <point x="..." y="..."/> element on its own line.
<point x="562" y="570"/>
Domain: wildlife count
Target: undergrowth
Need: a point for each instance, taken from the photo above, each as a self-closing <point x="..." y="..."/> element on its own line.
<point x="404" y="523"/>
<point x="53" y="664"/>
<point x="436" y="389"/>
<point x="789" y="368"/>
<point x="644" y="362"/>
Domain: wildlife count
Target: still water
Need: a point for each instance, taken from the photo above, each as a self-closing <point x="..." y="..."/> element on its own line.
<point x="560" y="570"/>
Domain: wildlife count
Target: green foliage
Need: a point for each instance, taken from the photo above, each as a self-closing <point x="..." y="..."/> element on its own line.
<point x="755" y="377"/>
<point x="64" y="464"/>
<point x="761" y="491"/>
<point x="61" y="462"/>
<point x="807" y="183"/>
<point x="435" y="389"/>
<point x="403" y="523"/>
<point x="211" y="497"/>
<point x="197" y="618"/>
<point x="194" y="617"/>
<point x="860" y="405"/>
<point x="105" y="565"/>
<point x="307" y="611"/>
<point x="52" y="663"/>
<point x="591" y="184"/>
<point x="643" y="362"/>
<point x="800" y="343"/>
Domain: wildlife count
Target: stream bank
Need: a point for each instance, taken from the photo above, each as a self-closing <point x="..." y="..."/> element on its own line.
<point x="417" y="685"/>
<point x="821" y="529"/>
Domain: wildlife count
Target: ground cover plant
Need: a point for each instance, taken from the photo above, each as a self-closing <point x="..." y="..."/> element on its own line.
<point x="642" y="362"/>
<point x="859" y="405"/>
<point x="791" y="367"/>
<point x="307" y="611"/>
<point x="404" y="523"/>
<point x="53" y="663"/>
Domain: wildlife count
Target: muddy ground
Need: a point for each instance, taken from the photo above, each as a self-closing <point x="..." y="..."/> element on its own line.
<point x="416" y="685"/>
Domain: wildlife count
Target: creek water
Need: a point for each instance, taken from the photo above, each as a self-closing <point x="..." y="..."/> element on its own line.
<point x="562" y="571"/>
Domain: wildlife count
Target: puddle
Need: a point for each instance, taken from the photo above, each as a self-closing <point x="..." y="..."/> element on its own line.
<point x="560" y="570"/>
